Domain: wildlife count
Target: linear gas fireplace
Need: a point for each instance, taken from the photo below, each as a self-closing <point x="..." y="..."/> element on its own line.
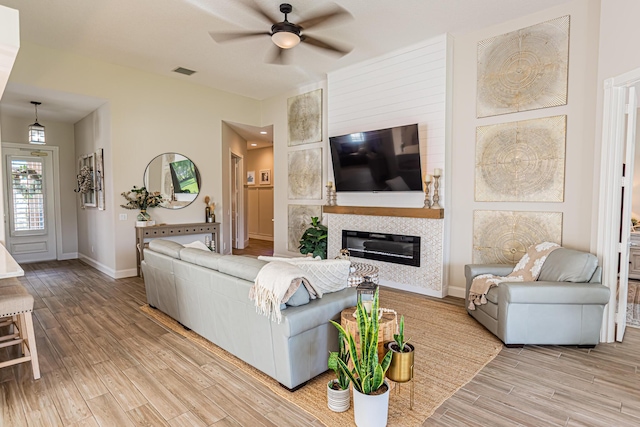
<point x="395" y="248"/>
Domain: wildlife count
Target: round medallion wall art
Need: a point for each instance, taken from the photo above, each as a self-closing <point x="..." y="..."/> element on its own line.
<point x="524" y="69"/>
<point x="521" y="161"/>
<point x="502" y="237"/>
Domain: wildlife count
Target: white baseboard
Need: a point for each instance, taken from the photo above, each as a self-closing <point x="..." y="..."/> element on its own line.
<point x="116" y="274"/>
<point x="260" y="237"/>
<point x="411" y="288"/>
<point x="68" y="255"/>
<point x="121" y="274"/>
<point x="456" y="292"/>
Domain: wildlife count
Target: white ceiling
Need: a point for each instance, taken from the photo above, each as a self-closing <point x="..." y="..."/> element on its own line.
<point x="256" y="137"/>
<point x="160" y="35"/>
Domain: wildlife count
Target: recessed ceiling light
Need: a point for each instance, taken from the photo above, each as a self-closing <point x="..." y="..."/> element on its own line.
<point x="263" y="132"/>
<point x="254" y="145"/>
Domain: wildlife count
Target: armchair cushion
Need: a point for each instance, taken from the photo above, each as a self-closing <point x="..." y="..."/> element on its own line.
<point x="568" y="265"/>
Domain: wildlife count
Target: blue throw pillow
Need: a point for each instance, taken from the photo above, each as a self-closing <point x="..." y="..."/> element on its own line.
<point x="300" y="297"/>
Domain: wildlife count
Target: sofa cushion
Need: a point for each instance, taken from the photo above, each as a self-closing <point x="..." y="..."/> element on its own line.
<point x="238" y="266"/>
<point x="202" y="258"/>
<point x="568" y="265"/>
<point x="166" y="247"/>
<point x="328" y="275"/>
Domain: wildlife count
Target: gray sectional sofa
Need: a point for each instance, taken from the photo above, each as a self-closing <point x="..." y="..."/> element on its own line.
<point x="209" y="293"/>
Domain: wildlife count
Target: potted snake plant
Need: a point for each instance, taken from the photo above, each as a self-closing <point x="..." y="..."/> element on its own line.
<point x="370" y="390"/>
<point x="338" y="396"/>
<point x="401" y="367"/>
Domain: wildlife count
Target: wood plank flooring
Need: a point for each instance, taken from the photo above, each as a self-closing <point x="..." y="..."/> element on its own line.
<point x="104" y="363"/>
<point x="256" y="247"/>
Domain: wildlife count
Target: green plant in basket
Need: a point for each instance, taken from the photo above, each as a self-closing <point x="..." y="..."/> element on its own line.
<point x="342" y="378"/>
<point x="368" y="373"/>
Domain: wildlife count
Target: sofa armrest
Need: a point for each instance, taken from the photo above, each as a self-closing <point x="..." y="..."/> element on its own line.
<point x="552" y="293"/>
<point x="473" y="270"/>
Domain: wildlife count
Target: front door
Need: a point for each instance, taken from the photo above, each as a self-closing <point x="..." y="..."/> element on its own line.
<point x="29" y="204"/>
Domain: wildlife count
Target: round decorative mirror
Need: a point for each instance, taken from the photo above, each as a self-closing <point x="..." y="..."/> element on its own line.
<point x="176" y="177"/>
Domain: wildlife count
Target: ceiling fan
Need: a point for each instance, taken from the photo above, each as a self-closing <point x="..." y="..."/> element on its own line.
<point x="286" y="35"/>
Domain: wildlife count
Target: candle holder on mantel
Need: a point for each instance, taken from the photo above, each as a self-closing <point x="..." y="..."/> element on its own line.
<point x="436" y="185"/>
<point x="427" y="200"/>
<point x="331" y="195"/>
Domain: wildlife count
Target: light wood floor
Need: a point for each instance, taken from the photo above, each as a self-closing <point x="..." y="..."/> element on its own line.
<point x="104" y="363"/>
<point x="256" y="248"/>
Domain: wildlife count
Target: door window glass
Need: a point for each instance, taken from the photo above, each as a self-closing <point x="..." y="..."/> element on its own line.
<point x="28" y="195"/>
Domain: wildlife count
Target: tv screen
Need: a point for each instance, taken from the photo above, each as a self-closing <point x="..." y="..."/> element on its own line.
<point x="378" y="160"/>
<point x="184" y="177"/>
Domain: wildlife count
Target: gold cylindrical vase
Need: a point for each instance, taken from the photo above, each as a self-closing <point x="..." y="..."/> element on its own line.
<point x="401" y="367"/>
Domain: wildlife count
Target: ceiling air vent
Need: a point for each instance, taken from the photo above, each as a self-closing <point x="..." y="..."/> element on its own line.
<point x="185" y="71"/>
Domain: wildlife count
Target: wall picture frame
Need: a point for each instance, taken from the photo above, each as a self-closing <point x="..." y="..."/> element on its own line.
<point x="251" y="177"/>
<point x="265" y="177"/>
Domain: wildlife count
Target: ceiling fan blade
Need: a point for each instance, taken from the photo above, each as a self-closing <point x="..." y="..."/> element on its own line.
<point x="336" y="13"/>
<point x="324" y="45"/>
<point x="279" y="57"/>
<point x="251" y="5"/>
<point x="237" y="35"/>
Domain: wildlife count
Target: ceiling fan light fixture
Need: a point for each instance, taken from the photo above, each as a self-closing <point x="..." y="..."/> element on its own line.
<point x="285" y="39"/>
<point x="36" y="130"/>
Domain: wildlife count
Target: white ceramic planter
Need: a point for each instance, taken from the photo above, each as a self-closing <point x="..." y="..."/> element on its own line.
<point x="371" y="411"/>
<point x="338" y="400"/>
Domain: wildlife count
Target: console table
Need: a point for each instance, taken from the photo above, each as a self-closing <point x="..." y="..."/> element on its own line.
<point x="169" y="230"/>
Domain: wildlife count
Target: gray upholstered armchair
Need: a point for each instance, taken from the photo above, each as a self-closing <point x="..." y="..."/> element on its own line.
<point x="563" y="307"/>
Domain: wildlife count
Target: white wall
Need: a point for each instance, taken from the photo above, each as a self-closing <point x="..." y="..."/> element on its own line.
<point x="404" y="87"/>
<point x="60" y="135"/>
<point x="9" y="45"/>
<point x="150" y="115"/>
<point x="619" y="30"/>
<point x="578" y="195"/>
<point x="274" y="111"/>
<point x="96" y="240"/>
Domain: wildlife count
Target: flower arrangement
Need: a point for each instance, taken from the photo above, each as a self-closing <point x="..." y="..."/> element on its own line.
<point x="85" y="180"/>
<point x="140" y="198"/>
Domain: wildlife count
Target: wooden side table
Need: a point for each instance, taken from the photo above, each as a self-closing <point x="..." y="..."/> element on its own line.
<point x="388" y="327"/>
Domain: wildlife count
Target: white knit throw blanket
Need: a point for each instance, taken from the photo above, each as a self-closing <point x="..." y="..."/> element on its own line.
<point x="527" y="270"/>
<point x="274" y="285"/>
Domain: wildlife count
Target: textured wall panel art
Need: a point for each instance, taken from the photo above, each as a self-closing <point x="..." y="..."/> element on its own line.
<point x="502" y="237"/>
<point x="524" y="70"/>
<point x="305" y="174"/>
<point x="299" y="220"/>
<point x="304" y="113"/>
<point x="521" y="161"/>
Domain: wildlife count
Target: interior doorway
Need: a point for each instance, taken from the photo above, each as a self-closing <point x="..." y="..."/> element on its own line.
<point x="32" y="229"/>
<point x="615" y="203"/>
<point x="237" y="239"/>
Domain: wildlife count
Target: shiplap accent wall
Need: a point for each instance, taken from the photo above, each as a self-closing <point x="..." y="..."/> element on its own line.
<point x="404" y="87"/>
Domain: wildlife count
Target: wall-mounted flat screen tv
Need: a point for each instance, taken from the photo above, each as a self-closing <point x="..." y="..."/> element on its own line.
<point x="378" y="160"/>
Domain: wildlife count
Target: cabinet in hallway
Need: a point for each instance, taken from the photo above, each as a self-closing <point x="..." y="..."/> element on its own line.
<point x="260" y="212"/>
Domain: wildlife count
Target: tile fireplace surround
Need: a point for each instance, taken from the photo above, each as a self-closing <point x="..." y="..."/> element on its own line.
<point x="426" y="279"/>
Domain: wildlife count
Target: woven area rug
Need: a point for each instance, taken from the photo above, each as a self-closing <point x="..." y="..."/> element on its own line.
<point x="633" y="304"/>
<point x="451" y="348"/>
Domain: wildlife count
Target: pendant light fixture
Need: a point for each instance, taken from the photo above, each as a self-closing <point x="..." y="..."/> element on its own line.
<point x="36" y="130"/>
